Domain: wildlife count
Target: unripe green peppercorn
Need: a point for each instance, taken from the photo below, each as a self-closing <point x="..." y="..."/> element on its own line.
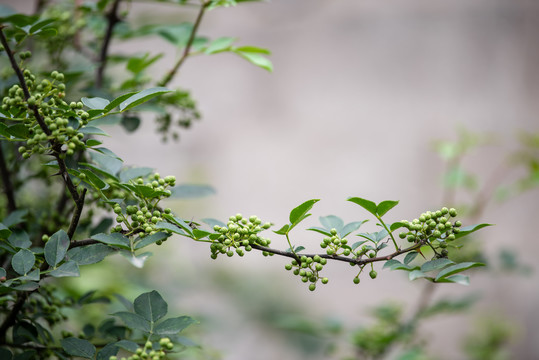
<point x="373" y="274"/>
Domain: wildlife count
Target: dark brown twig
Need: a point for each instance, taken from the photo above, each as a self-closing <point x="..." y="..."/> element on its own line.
<point x="113" y="19"/>
<point x="168" y="77"/>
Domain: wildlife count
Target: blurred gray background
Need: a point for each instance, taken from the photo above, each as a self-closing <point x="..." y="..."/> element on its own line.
<point x="359" y="92"/>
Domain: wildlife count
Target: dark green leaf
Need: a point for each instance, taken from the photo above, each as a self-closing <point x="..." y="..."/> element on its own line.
<point x="190" y="191"/>
<point x="107" y="351"/>
<point x="4" y="232"/>
<point x="102" y="226"/>
<point x="395" y="226"/>
<point x="32" y="275"/>
<point x="150" y="239"/>
<point x="150" y="306"/>
<point x="56" y="248"/>
<point x="127" y="345"/>
<point x="2" y="272"/>
<point x="19" y="239"/>
<point x="69" y="268"/>
<point x="5" y="354"/>
<point x="466" y="230"/>
<point x="40" y="24"/>
<point x="385" y="206"/>
<point x="18" y="131"/>
<point x="199" y="234"/>
<point x="93" y="142"/>
<point x="320" y="230"/>
<point x="134" y="321"/>
<point x="95" y="102"/>
<point x="29" y="286"/>
<point x="130" y="123"/>
<point x="365" y="204"/>
<point x="185" y="226"/>
<point x="436" y="264"/>
<point x="114" y="239"/>
<point x="91" y="254"/>
<point x="23" y="261"/>
<point x="14" y="218"/>
<point x="456" y="269"/>
<point x="94" y="180"/>
<point x="142" y="97"/>
<point x="78" y="347"/>
<point x="173" y="326"/>
<point x="410" y="257"/>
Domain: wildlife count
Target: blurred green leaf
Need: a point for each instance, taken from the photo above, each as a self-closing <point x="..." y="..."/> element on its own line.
<point x="78" y="347"/>
<point x="56" y="248"/>
<point x="23" y="261"/>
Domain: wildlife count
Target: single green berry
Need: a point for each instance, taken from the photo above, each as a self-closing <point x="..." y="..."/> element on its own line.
<point x="325" y="280"/>
<point x="356" y="280"/>
<point x="373" y="274"/>
<point x="312" y="287"/>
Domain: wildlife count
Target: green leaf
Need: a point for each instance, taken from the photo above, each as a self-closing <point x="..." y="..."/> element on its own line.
<point x="300" y="212"/>
<point x="150" y="306"/>
<point x="257" y="58"/>
<point x="114" y="239"/>
<point x="456" y="269"/>
<point x="32" y="275"/>
<point x="18" y="131"/>
<point x="93" y="142"/>
<point x="185" y="226"/>
<point x="14" y="218"/>
<point x="191" y="191"/>
<point x="19" y="239"/>
<point x="466" y="230"/>
<point x="78" y="347"/>
<point x="173" y="326"/>
<point x="91" y="254"/>
<point x="150" y="239"/>
<point x="365" y="204"/>
<point x="127" y="345"/>
<point x="69" y="268"/>
<point x="4" y="232"/>
<point x="385" y="206"/>
<point x="436" y="264"/>
<point x="220" y="45"/>
<point x="5" y="354"/>
<point x="142" y="97"/>
<point x="199" y="234"/>
<point x="133" y="173"/>
<point x="2" y="272"/>
<point x="95" y="103"/>
<point x="106" y="160"/>
<point x="56" y="248"/>
<point x="416" y="274"/>
<point x="120" y="99"/>
<point x="162" y="225"/>
<point x="332" y="222"/>
<point x="353" y="226"/>
<point x="94" y="180"/>
<point x="282" y="231"/>
<point x="23" y="261"/>
<point x="136" y="260"/>
<point x="134" y="321"/>
<point x="458" y="279"/>
<point x="395" y="226"/>
<point x="92" y="130"/>
<point x="107" y="351"/>
<point x="410" y="257"/>
<point x="29" y="286"/>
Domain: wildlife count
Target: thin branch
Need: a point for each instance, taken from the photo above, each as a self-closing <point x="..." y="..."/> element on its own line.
<point x="6" y="179"/>
<point x="357" y="261"/>
<point x="76" y="215"/>
<point x="168" y="77"/>
<point x="113" y="19"/>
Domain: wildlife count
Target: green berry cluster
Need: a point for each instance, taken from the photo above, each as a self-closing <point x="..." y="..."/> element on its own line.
<point x="61" y="121"/>
<point x="433" y="227"/>
<point x="150" y="351"/>
<point x="334" y="245"/>
<point x="308" y="268"/>
<point x="238" y="236"/>
<point x="143" y="217"/>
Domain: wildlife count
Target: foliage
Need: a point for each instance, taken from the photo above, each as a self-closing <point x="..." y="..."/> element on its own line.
<point x="61" y="188"/>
